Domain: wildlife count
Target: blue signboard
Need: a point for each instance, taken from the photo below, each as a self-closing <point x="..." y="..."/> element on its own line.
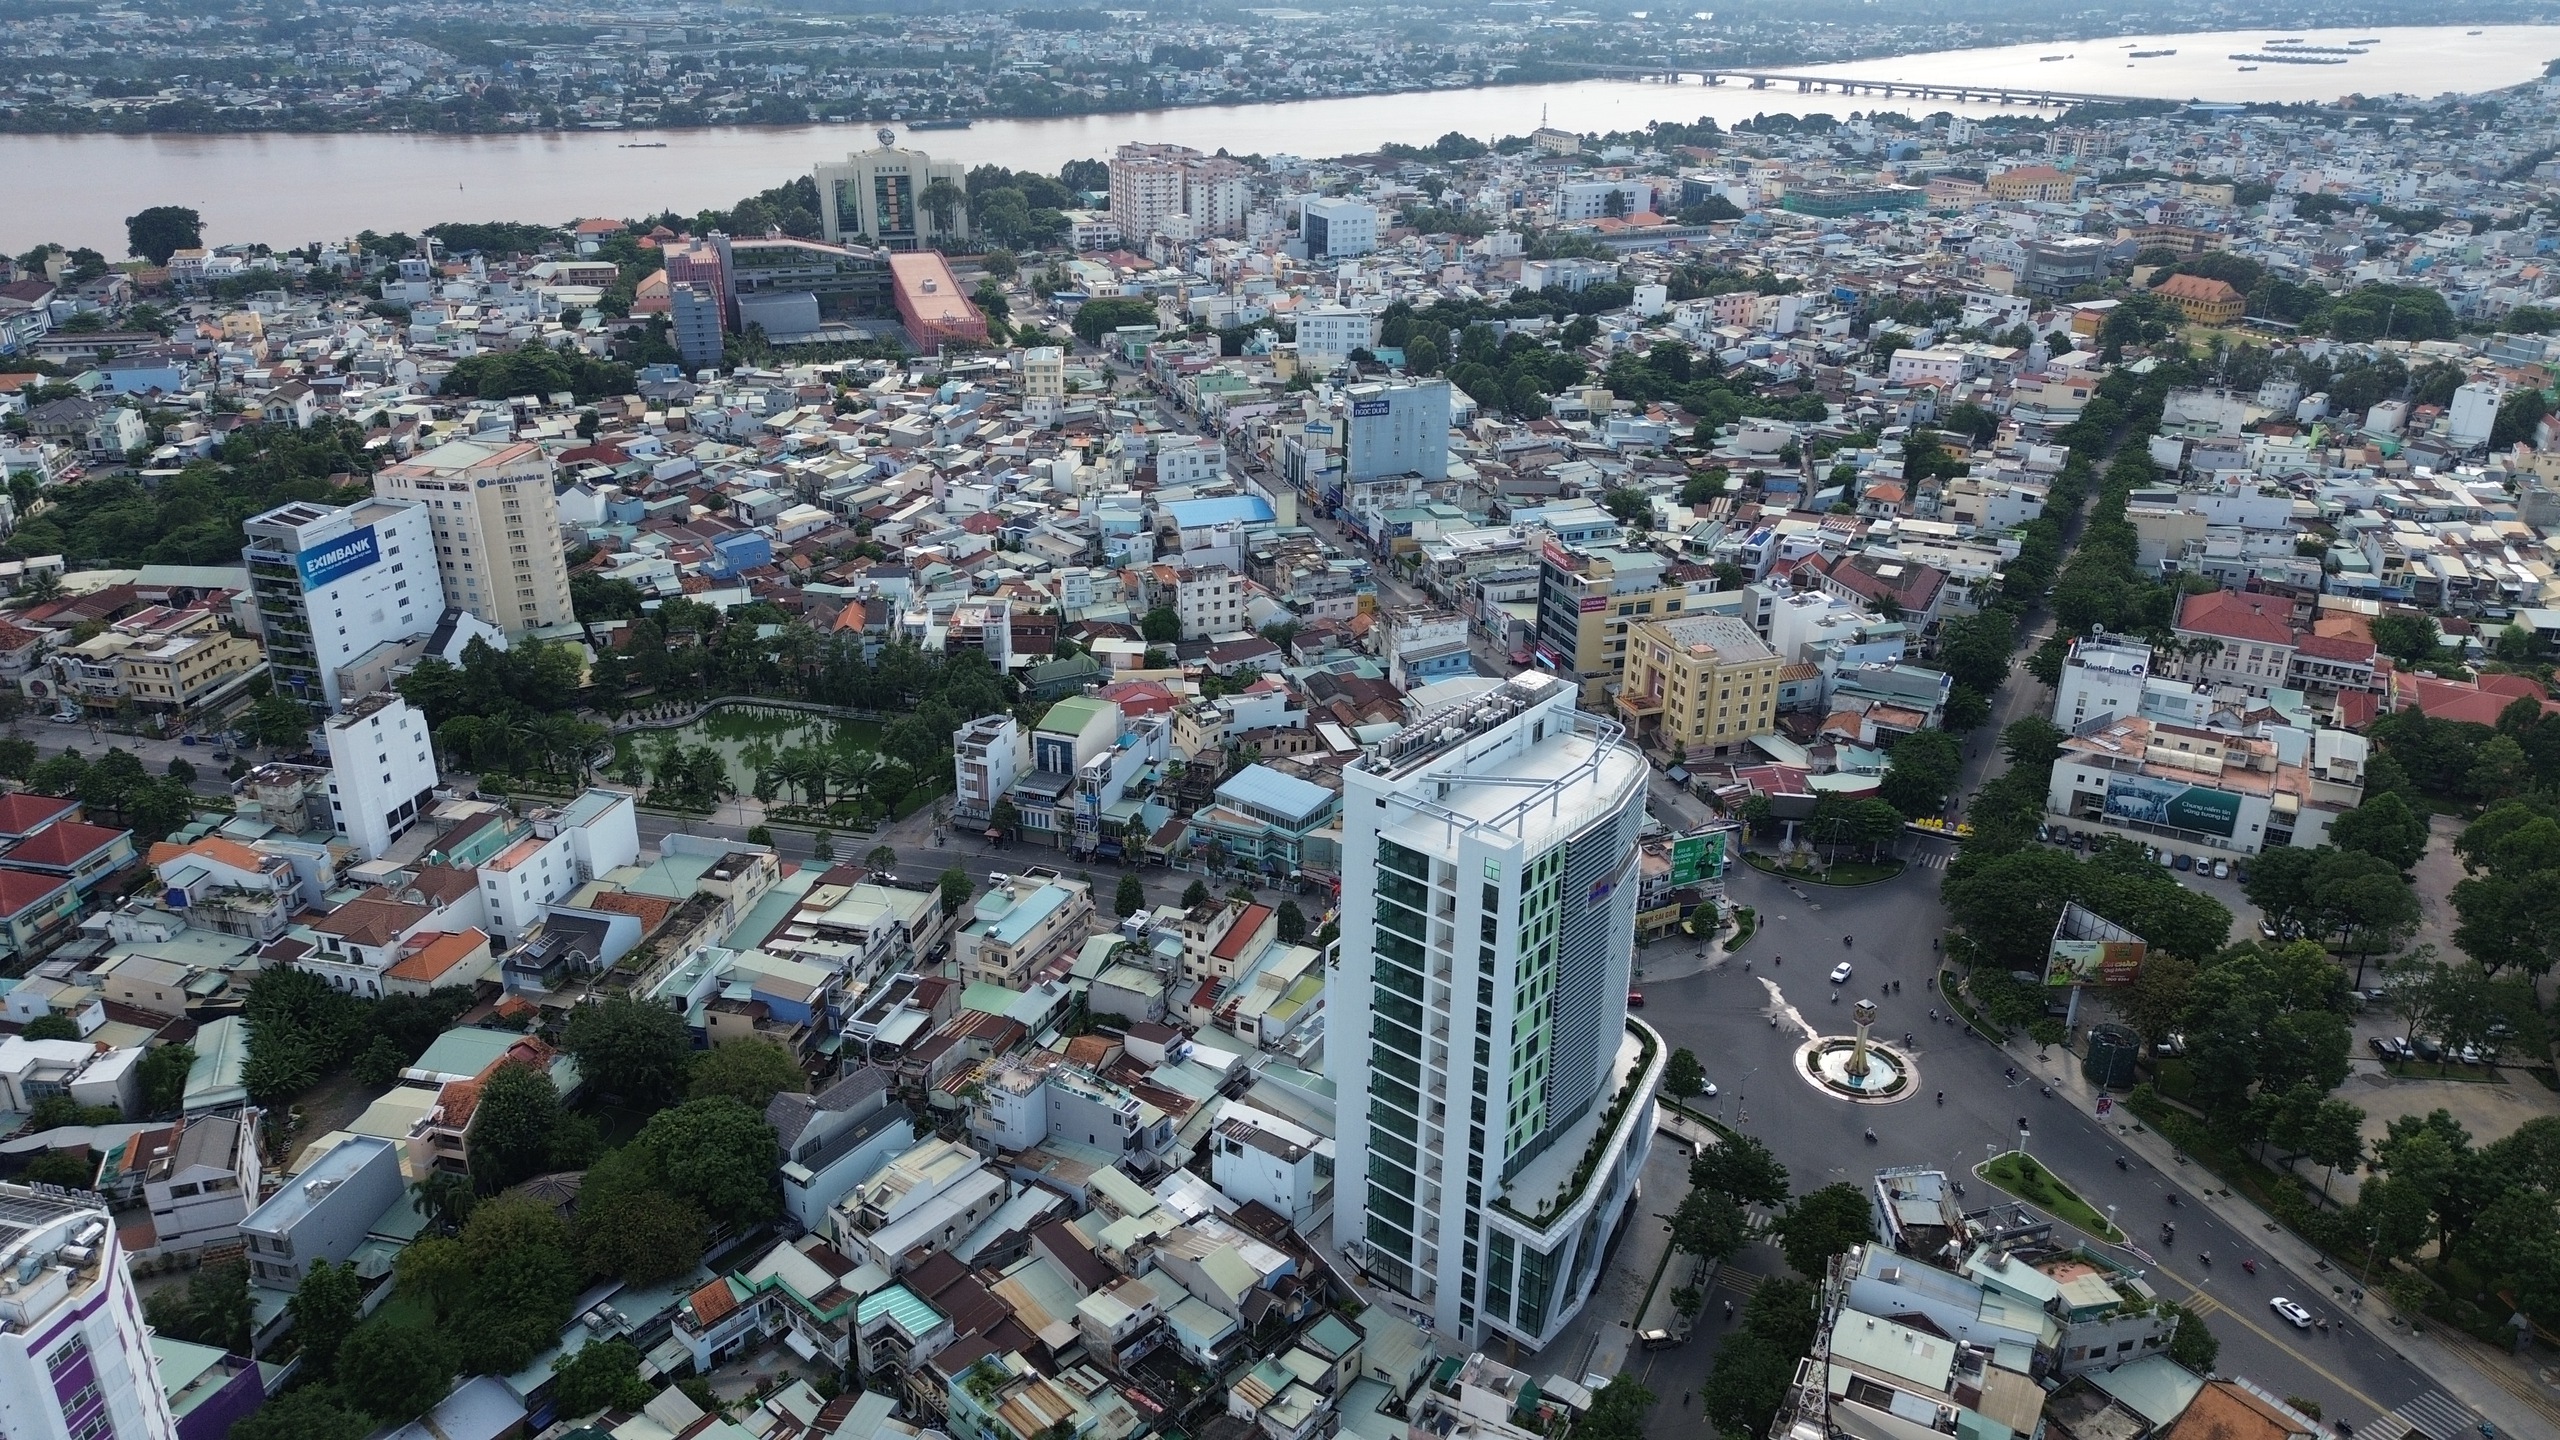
<point x="1364" y="409"/>
<point x="334" y="560"/>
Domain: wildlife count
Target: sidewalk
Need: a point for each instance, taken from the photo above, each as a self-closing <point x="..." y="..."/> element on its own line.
<point x="2499" y="1387"/>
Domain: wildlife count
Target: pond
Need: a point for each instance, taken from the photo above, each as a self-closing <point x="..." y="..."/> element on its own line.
<point x="750" y="738"/>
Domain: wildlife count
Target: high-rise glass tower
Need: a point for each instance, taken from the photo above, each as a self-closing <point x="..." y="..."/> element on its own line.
<point x="1485" y="1068"/>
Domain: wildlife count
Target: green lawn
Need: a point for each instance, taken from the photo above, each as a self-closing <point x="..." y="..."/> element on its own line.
<point x="2021" y="1176"/>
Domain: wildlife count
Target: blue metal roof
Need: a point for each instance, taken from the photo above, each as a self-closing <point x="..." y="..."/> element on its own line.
<point x="1224" y="511"/>
<point x="1274" y="793"/>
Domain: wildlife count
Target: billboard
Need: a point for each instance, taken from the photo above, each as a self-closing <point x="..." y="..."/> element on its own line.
<point x="334" y="560"/>
<point x="1696" y="856"/>
<point x="2174" y="805"/>
<point x="2089" y="949"/>
<point x="1367" y="409"/>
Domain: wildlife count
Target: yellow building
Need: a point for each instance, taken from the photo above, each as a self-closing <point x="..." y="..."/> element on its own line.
<point x="1589" y="595"/>
<point x="2206" y="302"/>
<point x="2032" y="182"/>
<point x="1698" y="686"/>
<point x="157" y="659"/>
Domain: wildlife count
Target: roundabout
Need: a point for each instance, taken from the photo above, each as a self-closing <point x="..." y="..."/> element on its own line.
<point x="1856" y="1067"/>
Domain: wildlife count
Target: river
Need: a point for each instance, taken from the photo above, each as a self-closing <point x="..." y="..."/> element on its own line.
<point x="292" y="189"/>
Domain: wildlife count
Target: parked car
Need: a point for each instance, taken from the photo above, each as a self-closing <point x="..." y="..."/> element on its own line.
<point x="2468" y="1055"/>
<point x="2388" y="1047"/>
<point x="2221" y="869"/>
<point x="2294" y="1315"/>
<point x="2240" y="874"/>
<point x="1635" y="999"/>
<point x="2183" y="863"/>
<point x="2427" y="1049"/>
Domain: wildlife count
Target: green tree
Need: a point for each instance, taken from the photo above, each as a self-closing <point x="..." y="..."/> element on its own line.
<point x="1740" y="1166"/>
<point x="50" y="1026"/>
<point x="305" y="1412"/>
<point x="515" y="1127"/>
<point x="602" y="1375"/>
<point x="2192" y="1344"/>
<point x="1131" y="897"/>
<point x="1683" y="1076"/>
<point x="630" y="1048"/>
<point x="275" y="722"/>
<point x="162" y="231"/>
<point x="1822" y="1224"/>
<point x="1708" y="1224"/>
<point x="629" y="1226"/>
<point x="2407" y="638"/>
<point x="2383" y="826"/>
<point x="1160" y="626"/>
<point x="1290" y="922"/>
<point x="1195" y="894"/>
<point x="956" y="888"/>
<point x="718" y="1154"/>
<point x="1757" y="1361"/>
<point x="749" y="1071"/>
<point x="1920" y="773"/>
<point x="326" y="1306"/>
<point x="520" y="1279"/>
<point x="213" y="1308"/>
<point x="396" y="1372"/>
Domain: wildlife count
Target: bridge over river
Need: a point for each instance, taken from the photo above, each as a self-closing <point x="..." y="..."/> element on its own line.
<point x="1804" y="84"/>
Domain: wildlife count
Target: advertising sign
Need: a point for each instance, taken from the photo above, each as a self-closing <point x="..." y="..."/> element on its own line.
<point x="2173" y="805"/>
<point x="1696" y="857"/>
<point x="1367" y="409"/>
<point x="2089" y="949"/>
<point x="336" y="559"/>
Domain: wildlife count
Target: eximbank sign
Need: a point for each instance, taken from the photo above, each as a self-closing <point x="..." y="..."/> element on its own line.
<point x="337" y="559"/>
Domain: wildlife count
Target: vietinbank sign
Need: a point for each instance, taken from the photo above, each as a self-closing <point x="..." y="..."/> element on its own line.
<point x="325" y="564"/>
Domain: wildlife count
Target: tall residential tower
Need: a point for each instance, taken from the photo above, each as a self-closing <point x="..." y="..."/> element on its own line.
<point x="497" y="529"/>
<point x="1477" y="1028"/>
<point x="75" y="1358"/>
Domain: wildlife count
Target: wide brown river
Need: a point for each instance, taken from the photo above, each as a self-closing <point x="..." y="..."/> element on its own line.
<point x="293" y="189"/>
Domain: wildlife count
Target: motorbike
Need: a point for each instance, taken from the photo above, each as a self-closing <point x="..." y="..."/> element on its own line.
<point x="1871" y="1137"/>
<point x="2248" y="1267"/>
<point x="1847" y="940"/>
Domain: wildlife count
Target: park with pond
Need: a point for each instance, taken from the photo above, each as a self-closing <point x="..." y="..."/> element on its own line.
<point x="802" y="765"/>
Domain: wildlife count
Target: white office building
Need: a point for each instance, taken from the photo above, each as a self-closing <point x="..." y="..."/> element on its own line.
<point x="1479" y="1041"/>
<point x="335" y="584"/>
<point x="382" y="771"/>
<point x="2473" y="414"/>
<point x="75" y="1358"/>
<point x="1337" y="229"/>
<point x="1327" y="336"/>
<point x="560" y="850"/>
<point x="1396" y="430"/>
<point x="1589" y="199"/>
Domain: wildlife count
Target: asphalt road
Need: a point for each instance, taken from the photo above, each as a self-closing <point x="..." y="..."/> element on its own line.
<point x="1724" y="1015"/>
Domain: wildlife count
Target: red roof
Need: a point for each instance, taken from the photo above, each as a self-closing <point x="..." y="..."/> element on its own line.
<point x="25" y="812"/>
<point x="64" y="843"/>
<point x="2334" y="647"/>
<point x="1231" y="945"/>
<point x="2238" y="615"/>
<point x="24" y="890"/>
<point x="712" y="1303"/>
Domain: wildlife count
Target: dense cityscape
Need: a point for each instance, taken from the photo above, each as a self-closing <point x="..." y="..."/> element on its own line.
<point x="1169" y="796"/>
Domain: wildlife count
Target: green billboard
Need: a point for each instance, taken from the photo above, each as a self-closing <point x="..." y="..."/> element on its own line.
<point x="1695" y="857"/>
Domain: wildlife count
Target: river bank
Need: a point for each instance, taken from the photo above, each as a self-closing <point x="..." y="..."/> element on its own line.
<point x="294" y="188"/>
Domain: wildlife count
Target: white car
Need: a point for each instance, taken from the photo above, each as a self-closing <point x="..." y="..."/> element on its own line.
<point x="1710" y="1091"/>
<point x="1840" y="973"/>
<point x="2294" y="1314"/>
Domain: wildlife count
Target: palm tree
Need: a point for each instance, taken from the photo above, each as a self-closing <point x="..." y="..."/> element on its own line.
<point x="854" y="770"/>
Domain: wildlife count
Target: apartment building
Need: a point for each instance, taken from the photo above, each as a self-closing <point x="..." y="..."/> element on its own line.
<point x="382" y="771"/>
<point x="497" y="529"/>
<point x="1022" y="926"/>
<point x="1333" y="228"/>
<point x="1698" y="686"/>
<point x="1150" y="184"/>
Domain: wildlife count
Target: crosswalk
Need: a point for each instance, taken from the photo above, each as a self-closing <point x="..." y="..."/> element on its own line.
<point x="1932" y="858"/>
<point x="2433" y="1416"/>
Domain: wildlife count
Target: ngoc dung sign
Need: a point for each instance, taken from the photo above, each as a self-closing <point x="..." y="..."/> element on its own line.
<point x="336" y="559"/>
